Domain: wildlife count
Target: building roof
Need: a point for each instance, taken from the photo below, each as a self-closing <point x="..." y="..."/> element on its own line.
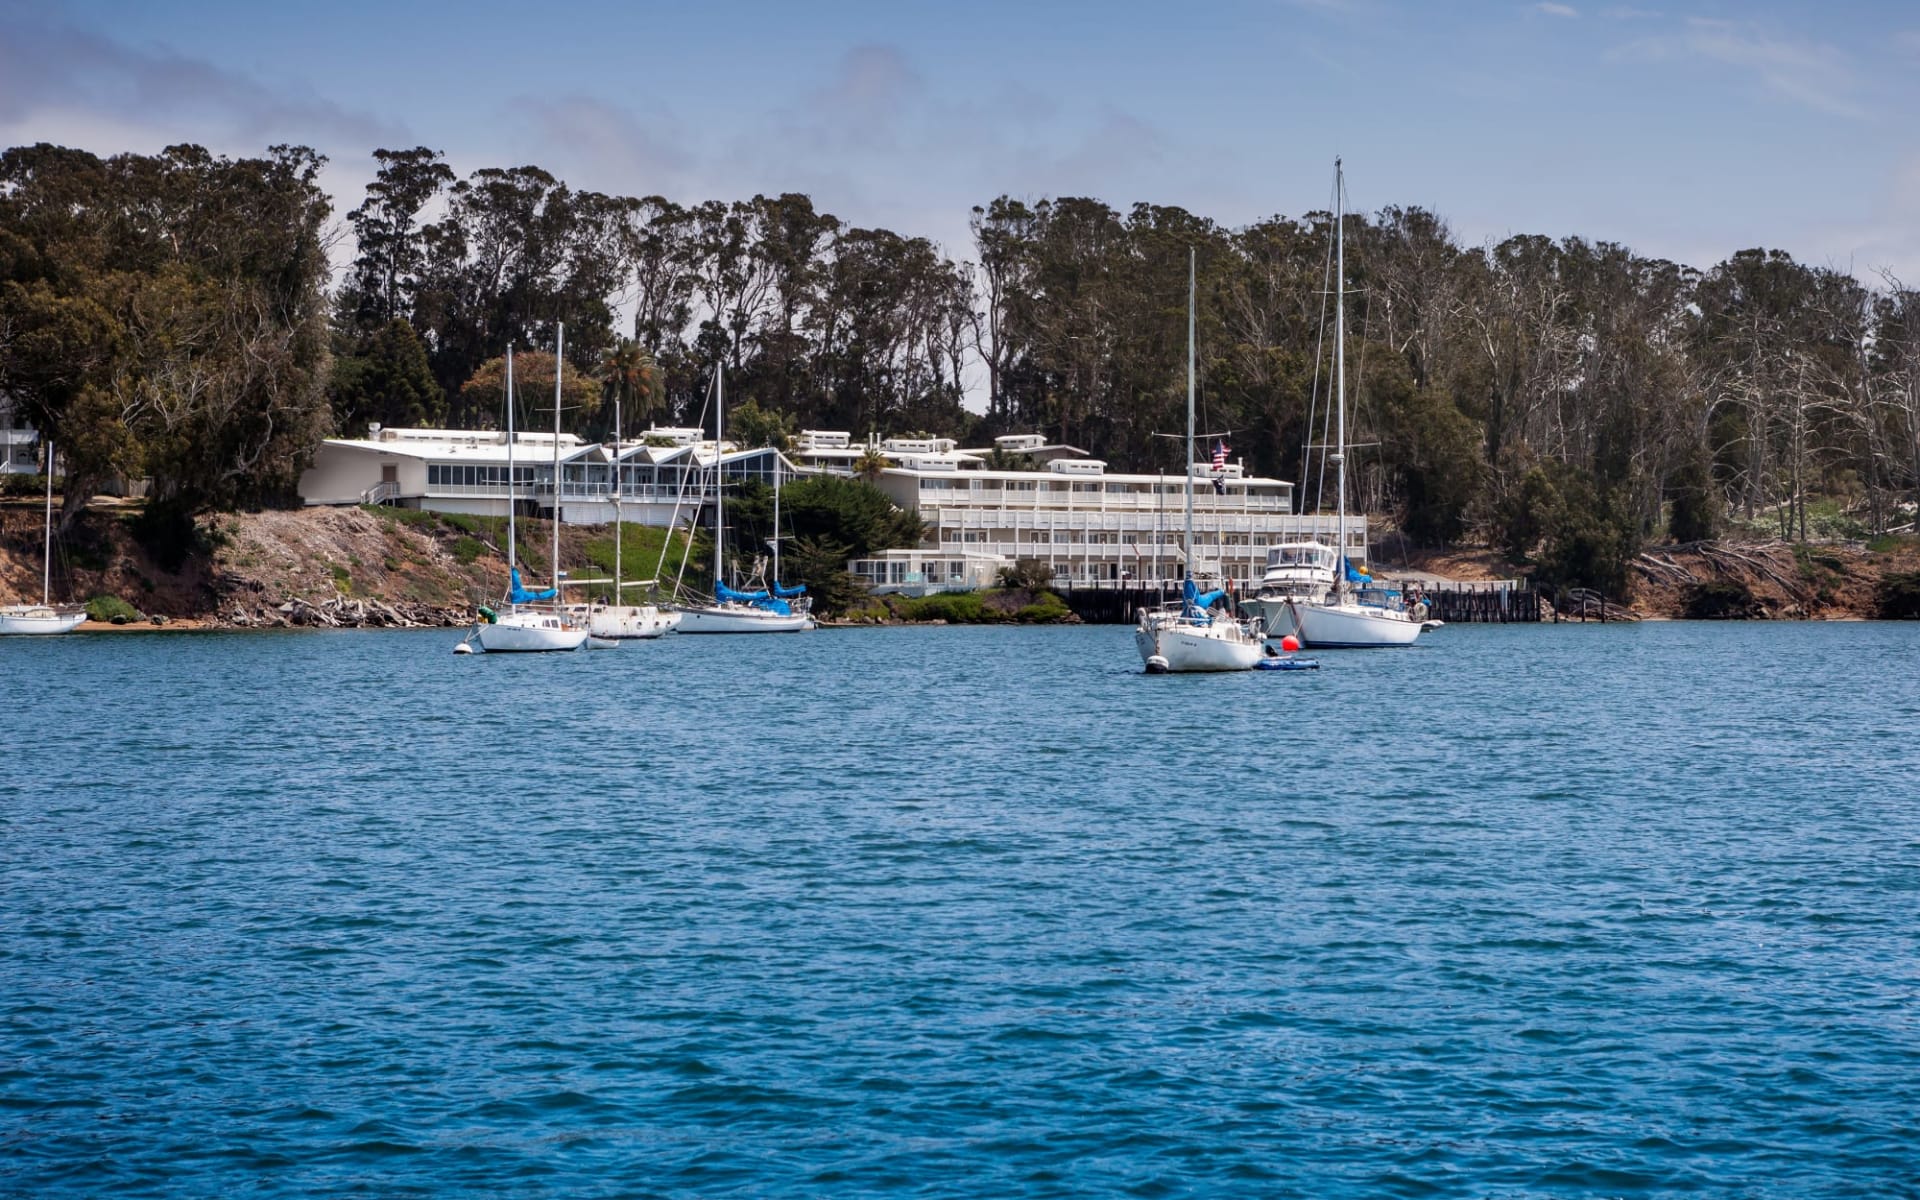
<point x="1201" y="473"/>
<point x="490" y="446"/>
<point x="459" y="445"/>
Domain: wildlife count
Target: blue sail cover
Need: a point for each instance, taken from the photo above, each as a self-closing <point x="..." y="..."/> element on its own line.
<point x="727" y="595"/>
<point x="798" y="589"/>
<point x="1354" y="576"/>
<point x="520" y="595"/>
<point x="1195" y="603"/>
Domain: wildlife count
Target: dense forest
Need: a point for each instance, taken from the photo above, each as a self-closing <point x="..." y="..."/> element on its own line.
<point x="1564" y="400"/>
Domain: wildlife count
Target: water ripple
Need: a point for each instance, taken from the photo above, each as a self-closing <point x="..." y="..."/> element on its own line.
<point x="952" y="912"/>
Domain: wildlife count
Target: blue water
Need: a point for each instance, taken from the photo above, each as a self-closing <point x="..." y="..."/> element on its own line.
<point x="1522" y="911"/>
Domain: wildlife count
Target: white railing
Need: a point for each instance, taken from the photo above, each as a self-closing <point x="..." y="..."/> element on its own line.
<point x="1100" y="502"/>
<point x="384" y="492"/>
<point x="637" y="495"/>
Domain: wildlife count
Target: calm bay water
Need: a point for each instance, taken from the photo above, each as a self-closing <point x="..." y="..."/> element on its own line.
<point x="962" y="912"/>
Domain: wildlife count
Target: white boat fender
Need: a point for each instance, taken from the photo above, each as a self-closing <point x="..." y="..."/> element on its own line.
<point x="1158" y="665"/>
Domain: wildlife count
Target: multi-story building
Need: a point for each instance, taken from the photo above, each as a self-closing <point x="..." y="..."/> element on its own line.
<point x="1092" y="527"/>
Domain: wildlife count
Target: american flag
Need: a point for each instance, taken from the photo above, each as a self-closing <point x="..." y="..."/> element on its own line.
<point x="1220" y="456"/>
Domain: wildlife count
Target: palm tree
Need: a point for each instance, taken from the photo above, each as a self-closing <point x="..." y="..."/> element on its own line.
<point x="633" y="381"/>
<point x="870" y="463"/>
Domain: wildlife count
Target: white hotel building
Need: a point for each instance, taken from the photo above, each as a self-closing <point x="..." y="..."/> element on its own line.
<point x="1091" y="526"/>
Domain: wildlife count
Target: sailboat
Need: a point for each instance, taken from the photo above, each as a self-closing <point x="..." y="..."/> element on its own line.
<point x="734" y="611"/>
<point x="521" y="629"/>
<point x="44" y="617"/>
<point x="1188" y="635"/>
<point x="616" y="620"/>
<point x="1353" y="614"/>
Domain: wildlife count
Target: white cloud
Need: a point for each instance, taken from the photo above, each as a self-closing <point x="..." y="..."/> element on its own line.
<point x="1813" y="74"/>
<point x="1556" y="10"/>
<point x="603" y="147"/>
<point x="66" y="83"/>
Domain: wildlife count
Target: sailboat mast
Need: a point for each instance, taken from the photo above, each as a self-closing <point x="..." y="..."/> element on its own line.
<point x="46" y="551"/>
<point x="1340" y="359"/>
<point x="512" y="536"/>
<point x="776" y="516"/>
<point x="559" y="365"/>
<point x="719" y="483"/>
<point x="619" y="530"/>
<point x="1188" y="466"/>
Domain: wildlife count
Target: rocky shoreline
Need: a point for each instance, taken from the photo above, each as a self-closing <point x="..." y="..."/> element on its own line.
<point x="351" y="568"/>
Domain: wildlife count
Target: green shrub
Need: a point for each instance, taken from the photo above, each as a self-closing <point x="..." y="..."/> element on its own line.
<point x="467" y="549"/>
<point x="955" y="608"/>
<point x="1046" y="608"/>
<point x="342" y="579"/>
<point x="106" y="608"/>
<point x="23" y="485"/>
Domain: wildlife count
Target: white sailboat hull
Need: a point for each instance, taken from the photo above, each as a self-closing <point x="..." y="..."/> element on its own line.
<point x="740" y="618"/>
<point x="1276" y="616"/>
<point x="1276" y="611"/>
<point x="1222" y="646"/>
<point x="626" y="621"/>
<point x="1352" y="626"/>
<point x="529" y="633"/>
<point x="29" y="619"/>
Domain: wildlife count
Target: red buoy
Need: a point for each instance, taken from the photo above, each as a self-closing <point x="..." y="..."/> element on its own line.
<point x="1289" y="643"/>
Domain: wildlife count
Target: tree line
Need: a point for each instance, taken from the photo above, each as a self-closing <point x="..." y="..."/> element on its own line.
<point x="1564" y="399"/>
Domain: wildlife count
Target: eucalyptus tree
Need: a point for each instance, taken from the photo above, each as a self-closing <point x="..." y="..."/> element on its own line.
<point x="165" y="316"/>
<point x="390" y="247"/>
<point x="516" y="254"/>
<point x="1896" y="376"/>
<point x="1003" y="239"/>
<point x="1755" y="310"/>
<point x="661" y="272"/>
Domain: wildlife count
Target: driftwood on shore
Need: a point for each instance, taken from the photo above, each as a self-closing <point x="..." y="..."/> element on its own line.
<point x="342" y="612"/>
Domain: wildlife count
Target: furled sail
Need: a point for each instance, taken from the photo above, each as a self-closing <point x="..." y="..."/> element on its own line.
<point x="520" y="595"/>
<point x="761" y="600"/>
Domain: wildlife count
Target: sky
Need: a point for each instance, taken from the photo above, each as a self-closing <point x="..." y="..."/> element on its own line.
<point x="1687" y="131"/>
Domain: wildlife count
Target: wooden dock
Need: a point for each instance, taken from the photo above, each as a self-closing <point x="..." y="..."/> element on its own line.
<point x="1112" y="606"/>
<point x="1484" y="604"/>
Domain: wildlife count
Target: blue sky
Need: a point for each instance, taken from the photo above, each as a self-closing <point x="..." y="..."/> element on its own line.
<point x="1683" y="130"/>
